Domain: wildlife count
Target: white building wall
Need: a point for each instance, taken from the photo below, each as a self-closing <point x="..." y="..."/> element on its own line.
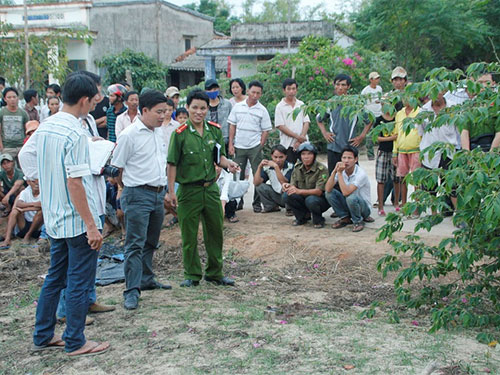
<point x="243" y="66"/>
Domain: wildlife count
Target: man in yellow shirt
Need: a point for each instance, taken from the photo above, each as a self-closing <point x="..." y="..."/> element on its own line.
<point x="405" y="152"/>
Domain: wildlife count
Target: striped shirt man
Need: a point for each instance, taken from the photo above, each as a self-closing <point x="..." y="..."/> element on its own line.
<point x="111" y="121"/>
<point x="62" y="153"/>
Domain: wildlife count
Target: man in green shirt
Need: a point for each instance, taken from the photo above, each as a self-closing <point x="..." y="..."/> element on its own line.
<point x="305" y="193"/>
<point x="194" y="149"/>
<point x="12" y="121"/>
<point x="12" y="180"/>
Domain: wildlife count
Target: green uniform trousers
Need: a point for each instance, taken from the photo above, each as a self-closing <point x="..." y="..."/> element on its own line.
<point x="193" y="202"/>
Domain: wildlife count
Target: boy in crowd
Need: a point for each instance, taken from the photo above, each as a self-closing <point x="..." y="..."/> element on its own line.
<point x="128" y="117"/>
<point x="12" y="182"/>
<point x="270" y="177"/>
<point x="352" y="202"/>
<point x="12" y="122"/>
<point x="26" y="217"/>
<point x="117" y="94"/>
<point x="31" y="99"/>
<point x="182" y="115"/>
<point x="173" y="94"/>
<point x="52" y="90"/>
<point x="373" y="105"/>
<point x="305" y="194"/>
<point x="293" y="132"/>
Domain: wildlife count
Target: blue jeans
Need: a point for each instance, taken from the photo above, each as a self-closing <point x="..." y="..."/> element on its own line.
<point x="144" y="214"/>
<point x="72" y="266"/>
<point x="352" y="206"/>
<point x="302" y="205"/>
<point x="61" y="306"/>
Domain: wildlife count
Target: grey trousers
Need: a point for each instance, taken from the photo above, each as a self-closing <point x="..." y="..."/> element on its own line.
<point x="254" y="155"/>
<point x="144" y="215"/>
<point x="269" y="197"/>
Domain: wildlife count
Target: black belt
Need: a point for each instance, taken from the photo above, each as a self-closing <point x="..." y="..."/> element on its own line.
<point x="156" y="189"/>
<point x="201" y="183"/>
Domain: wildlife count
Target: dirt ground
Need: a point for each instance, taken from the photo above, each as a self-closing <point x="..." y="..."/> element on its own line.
<point x="295" y="310"/>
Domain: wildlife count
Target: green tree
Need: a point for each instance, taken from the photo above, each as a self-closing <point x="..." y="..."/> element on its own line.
<point x="145" y="71"/>
<point x="220" y="10"/>
<point x="48" y="55"/>
<point x="277" y="11"/>
<point x="425" y="33"/>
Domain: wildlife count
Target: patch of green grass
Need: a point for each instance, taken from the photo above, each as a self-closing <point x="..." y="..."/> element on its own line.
<point x="26" y="299"/>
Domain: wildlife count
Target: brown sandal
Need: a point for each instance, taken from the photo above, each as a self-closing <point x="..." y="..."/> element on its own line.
<point x="90" y="348"/>
<point x="341" y="223"/>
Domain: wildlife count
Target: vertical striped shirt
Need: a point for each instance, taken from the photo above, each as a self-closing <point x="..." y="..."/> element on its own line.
<point x="62" y="152"/>
<point x="111" y="121"/>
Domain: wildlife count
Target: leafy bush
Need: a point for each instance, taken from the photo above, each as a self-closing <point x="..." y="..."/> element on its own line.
<point x="145" y="71"/>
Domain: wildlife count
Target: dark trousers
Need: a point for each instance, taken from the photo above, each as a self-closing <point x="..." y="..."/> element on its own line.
<point x="254" y="155"/>
<point x="291" y="155"/>
<point x="144" y="214"/>
<point x="72" y="266"/>
<point x="302" y="205"/>
<point x="333" y="159"/>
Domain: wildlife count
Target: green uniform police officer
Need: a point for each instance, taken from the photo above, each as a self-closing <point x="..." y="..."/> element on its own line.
<point x="194" y="149"/>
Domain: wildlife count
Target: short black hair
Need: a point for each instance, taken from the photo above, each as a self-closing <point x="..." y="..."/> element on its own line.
<point x="78" y="86"/>
<point x="55" y="87"/>
<point x="94" y="77"/>
<point x="127" y="95"/>
<point x="124" y="83"/>
<point x="180" y="110"/>
<point x="197" y="94"/>
<point x="342" y="77"/>
<point x="257" y="84"/>
<point x="289" y="82"/>
<point x="29" y="94"/>
<point x="2" y="81"/>
<point x="150" y="98"/>
<point x="240" y="82"/>
<point x="352" y="149"/>
<point x="279" y="148"/>
<point x="7" y="89"/>
<point x="170" y="102"/>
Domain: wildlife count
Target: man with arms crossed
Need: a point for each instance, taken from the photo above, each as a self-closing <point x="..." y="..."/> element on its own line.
<point x="194" y="150"/>
<point x="71" y="219"/>
<point x="141" y="154"/>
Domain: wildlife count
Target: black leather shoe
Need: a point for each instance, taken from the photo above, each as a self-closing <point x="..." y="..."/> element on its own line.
<point x="131" y="302"/>
<point x="224" y="281"/>
<point x="189" y="283"/>
<point x="156" y="285"/>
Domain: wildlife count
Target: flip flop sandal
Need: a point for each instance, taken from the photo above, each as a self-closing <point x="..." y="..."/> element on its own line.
<point x="6" y="247"/>
<point x="233" y="219"/>
<point x="341" y="224"/>
<point x="98" y="348"/>
<point x="57" y="344"/>
<point x="358" y="227"/>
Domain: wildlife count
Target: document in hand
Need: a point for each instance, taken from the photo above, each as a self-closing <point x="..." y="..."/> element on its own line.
<point x="100" y="152"/>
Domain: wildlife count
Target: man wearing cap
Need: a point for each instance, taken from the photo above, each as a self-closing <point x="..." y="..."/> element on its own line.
<point x="12" y="121"/>
<point x="218" y="108"/>
<point x="173" y="94"/>
<point x="12" y="182"/>
<point x="31" y="126"/>
<point x="31" y="99"/>
<point x="26" y="218"/>
<point x="305" y="193"/>
<point x="116" y="108"/>
<point x="373" y="91"/>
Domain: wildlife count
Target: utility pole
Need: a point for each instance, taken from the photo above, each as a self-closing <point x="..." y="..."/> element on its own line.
<point x="289" y="26"/>
<point x="26" y="49"/>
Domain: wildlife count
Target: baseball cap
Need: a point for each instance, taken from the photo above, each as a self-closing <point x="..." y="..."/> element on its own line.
<point x="6" y="157"/>
<point x="398" y="72"/>
<point x="171" y="91"/>
<point x="374" y="75"/>
<point x="210" y="83"/>
<point x="31" y="126"/>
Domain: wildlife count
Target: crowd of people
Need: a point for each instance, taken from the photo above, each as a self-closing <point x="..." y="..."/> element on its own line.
<point x="193" y="163"/>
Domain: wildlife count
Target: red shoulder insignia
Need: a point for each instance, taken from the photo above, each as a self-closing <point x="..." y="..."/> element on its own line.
<point x="214" y="124"/>
<point x="181" y="128"/>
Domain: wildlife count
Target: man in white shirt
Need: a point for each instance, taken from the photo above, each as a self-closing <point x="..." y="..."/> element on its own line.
<point x="292" y="131"/>
<point x="373" y="105"/>
<point x="249" y="128"/>
<point x="128" y="117"/>
<point x="141" y="155"/>
<point x="26" y="216"/>
<point x="352" y="203"/>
